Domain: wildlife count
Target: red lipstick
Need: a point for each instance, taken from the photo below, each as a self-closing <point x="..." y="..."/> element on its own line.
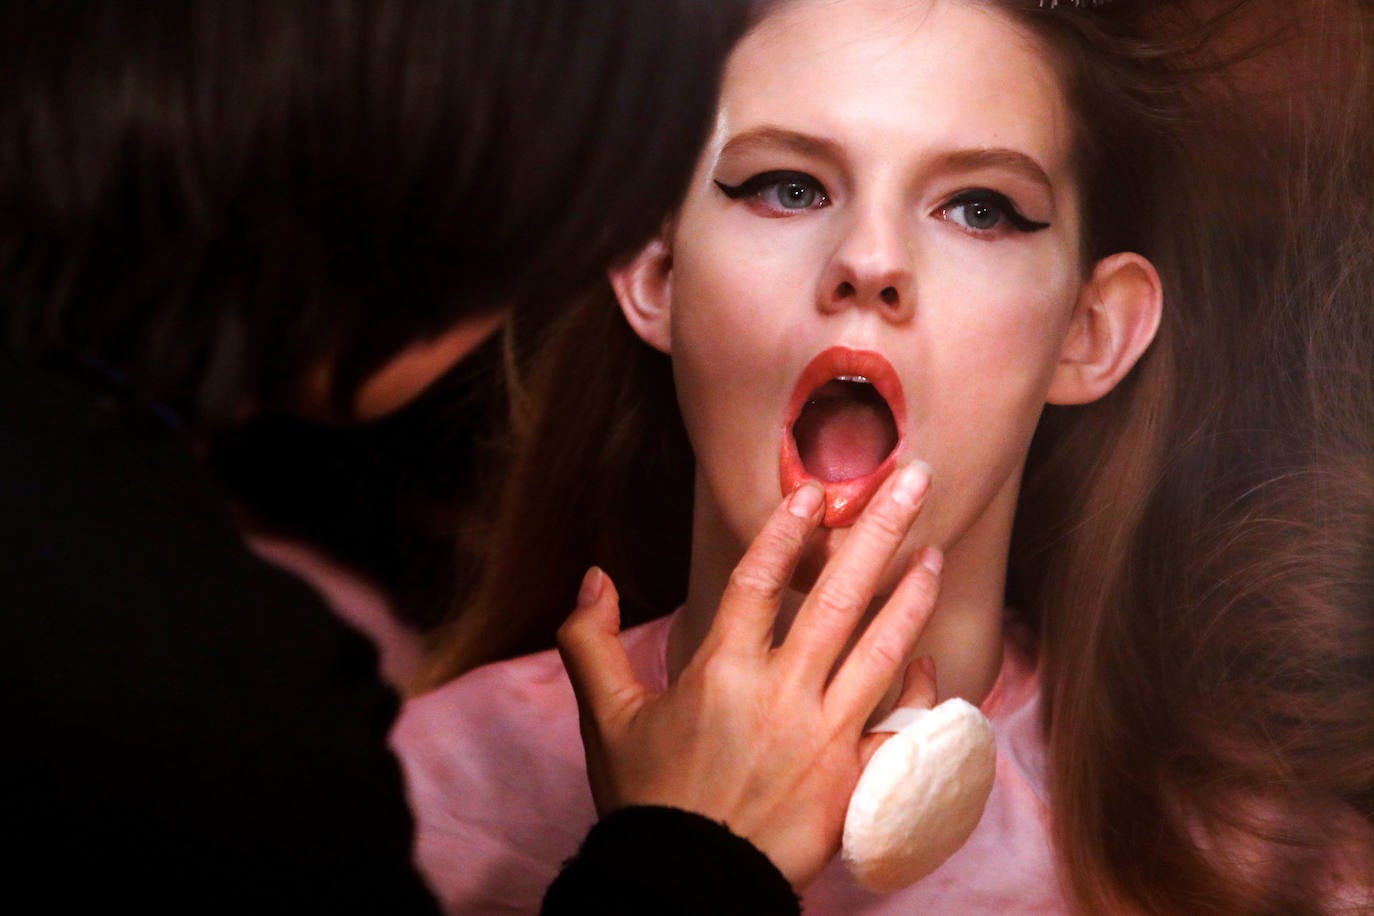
<point x="844" y="498"/>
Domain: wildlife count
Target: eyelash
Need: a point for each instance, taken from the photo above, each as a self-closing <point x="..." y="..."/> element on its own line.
<point x="755" y="187"/>
<point x="995" y="200"/>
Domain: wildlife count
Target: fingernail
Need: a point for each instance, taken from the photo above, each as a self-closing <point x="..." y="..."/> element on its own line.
<point x="591" y="587"/>
<point x="912" y="482"/>
<point x="806" y="500"/>
<point x="933" y="559"/>
<point x="927" y="665"/>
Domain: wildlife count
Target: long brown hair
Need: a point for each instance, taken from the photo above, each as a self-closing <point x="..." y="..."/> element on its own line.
<point x="1175" y="542"/>
<point x="601" y="472"/>
<point x="1205" y="591"/>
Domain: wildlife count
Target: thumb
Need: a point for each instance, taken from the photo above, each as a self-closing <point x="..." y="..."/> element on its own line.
<point x="589" y="644"/>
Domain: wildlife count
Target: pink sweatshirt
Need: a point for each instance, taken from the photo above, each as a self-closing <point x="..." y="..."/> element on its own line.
<point x="498" y="784"/>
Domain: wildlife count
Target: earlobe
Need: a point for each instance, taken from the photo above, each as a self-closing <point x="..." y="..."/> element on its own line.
<point x="1115" y="319"/>
<point x="644" y="287"/>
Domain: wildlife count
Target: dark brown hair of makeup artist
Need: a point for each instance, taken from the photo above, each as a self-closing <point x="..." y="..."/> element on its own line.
<point x="208" y="199"/>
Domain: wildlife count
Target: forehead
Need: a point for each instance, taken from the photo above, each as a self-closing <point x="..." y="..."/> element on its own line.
<point x="942" y="74"/>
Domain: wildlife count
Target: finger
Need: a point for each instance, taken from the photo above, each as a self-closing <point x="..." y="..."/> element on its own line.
<point x="918" y="692"/>
<point x="846" y="585"/>
<point x="885" y="648"/>
<point x="589" y="644"/>
<point x="750" y="603"/>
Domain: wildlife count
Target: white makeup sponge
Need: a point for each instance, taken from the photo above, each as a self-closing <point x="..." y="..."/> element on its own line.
<point x="921" y="794"/>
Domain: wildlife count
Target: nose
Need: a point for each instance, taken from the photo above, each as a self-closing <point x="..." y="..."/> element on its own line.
<point x="871" y="267"/>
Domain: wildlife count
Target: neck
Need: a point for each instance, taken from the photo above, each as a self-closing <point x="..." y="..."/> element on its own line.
<point x="963" y="635"/>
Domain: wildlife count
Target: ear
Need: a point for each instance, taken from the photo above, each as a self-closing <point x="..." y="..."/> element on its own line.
<point x="1114" y="320"/>
<point x="644" y="287"/>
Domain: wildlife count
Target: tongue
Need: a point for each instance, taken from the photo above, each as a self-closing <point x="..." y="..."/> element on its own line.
<point x="845" y="431"/>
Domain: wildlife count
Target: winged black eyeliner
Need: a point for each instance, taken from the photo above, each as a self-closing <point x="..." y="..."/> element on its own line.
<point x="757" y="183"/>
<point x="1002" y="202"/>
<point x="734" y="192"/>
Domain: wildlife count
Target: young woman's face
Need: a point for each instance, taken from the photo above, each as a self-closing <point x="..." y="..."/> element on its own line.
<point x="876" y="263"/>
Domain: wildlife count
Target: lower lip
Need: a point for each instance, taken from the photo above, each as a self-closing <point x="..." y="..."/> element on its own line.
<point x="844" y="499"/>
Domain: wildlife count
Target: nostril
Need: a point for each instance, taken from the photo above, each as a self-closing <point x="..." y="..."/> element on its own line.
<point x="889" y="295"/>
<point x="845" y="290"/>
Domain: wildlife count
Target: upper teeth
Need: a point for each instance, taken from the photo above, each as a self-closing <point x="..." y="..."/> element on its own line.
<point x="852" y="378"/>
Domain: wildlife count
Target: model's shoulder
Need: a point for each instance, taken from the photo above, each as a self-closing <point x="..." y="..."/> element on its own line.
<point x="495" y="773"/>
<point x="536" y="686"/>
<point x="528" y="688"/>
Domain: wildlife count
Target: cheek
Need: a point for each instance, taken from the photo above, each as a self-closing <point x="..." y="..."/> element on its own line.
<point x="723" y="289"/>
<point x="1006" y="319"/>
<point x="402" y="378"/>
<point x="983" y="370"/>
<point x="728" y="321"/>
<point x="730" y="318"/>
<point x="992" y="370"/>
<point x="739" y="276"/>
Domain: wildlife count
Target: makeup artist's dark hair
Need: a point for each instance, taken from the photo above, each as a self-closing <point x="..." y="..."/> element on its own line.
<point x="209" y="197"/>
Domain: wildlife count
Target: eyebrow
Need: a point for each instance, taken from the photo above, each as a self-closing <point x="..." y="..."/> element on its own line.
<point x="996" y="158"/>
<point x="787" y="139"/>
<point x="954" y="160"/>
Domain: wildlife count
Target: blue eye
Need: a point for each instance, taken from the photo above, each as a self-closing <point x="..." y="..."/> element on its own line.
<point x="982" y="211"/>
<point x="978" y="215"/>
<point x="779" y="193"/>
<point x="793" y="195"/>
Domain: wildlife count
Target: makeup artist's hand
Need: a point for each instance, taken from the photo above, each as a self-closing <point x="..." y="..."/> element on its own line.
<point x="759" y="737"/>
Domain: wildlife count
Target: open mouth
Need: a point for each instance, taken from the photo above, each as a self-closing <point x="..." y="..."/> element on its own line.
<point x="845" y="429"/>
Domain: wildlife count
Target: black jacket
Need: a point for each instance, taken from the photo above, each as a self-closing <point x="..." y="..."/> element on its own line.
<point x="187" y="727"/>
<point x="190" y="729"/>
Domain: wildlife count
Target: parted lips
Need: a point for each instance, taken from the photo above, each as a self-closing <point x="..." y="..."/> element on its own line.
<point x="845" y="428"/>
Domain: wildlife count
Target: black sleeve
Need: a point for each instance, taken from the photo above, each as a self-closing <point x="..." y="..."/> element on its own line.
<point x="186" y="728"/>
<point x="668" y="861"/>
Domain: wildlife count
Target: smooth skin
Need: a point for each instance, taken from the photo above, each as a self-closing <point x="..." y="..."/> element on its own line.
<point x="892" y="176"/>
<point x="888" y="175"/>
<point x="757" y="735"/>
